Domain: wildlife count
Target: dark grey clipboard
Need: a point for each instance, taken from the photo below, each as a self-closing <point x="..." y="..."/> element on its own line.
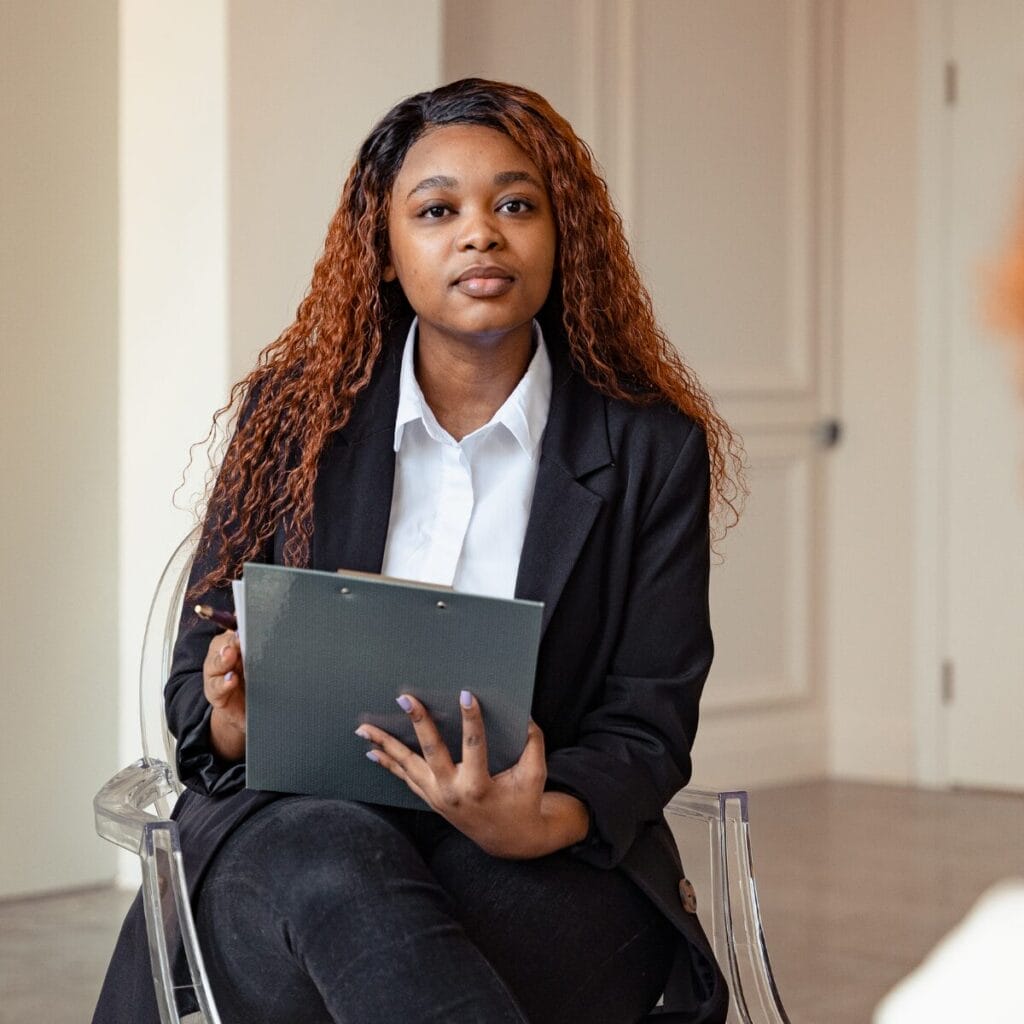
<point x="328" y="651"/>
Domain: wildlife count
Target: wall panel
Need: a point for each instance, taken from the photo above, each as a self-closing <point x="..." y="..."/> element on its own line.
<point x="722" y="143"/>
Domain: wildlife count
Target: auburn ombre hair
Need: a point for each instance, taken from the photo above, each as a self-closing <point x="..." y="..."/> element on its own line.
<point x="305" y="383"/>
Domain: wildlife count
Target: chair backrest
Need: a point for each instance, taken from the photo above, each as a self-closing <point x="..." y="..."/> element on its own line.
<point x="158" y="649"/>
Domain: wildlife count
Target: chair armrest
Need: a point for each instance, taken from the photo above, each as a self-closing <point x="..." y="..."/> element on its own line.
<point x="121" y="805"/>
<point x="123" y="818"/>
<point x="708" y="805"/>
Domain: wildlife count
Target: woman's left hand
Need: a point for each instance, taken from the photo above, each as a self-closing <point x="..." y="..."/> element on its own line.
<point x="507" y="815"/>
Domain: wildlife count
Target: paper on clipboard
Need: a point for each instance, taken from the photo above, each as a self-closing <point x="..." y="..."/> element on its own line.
<point x="238" y="594"/>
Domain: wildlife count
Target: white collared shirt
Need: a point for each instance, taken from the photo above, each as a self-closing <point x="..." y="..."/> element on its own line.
<point x="459" y="508"/>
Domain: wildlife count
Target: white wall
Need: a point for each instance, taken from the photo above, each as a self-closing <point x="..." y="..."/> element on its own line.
<point x="306" y="83"/>
<point x="58" y="438"/>
<point x="172" y="274"/>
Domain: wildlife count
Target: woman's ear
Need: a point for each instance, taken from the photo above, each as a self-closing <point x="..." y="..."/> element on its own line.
<point x="389" y="274"/>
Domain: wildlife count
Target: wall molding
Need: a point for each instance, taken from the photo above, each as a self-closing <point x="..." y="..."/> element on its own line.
<point x="812" y="70"/>
<point x="796" y="461"/>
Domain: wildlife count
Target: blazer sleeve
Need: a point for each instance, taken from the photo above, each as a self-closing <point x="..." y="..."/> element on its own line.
<point x="633" y="750"/>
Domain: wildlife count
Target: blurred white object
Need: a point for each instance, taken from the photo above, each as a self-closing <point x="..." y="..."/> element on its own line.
<point x="973" y="973"/>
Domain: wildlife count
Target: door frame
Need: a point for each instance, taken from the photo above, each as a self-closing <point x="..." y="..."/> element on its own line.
<point x="931" y="635"/>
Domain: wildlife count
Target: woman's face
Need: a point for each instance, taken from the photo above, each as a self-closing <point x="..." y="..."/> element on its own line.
<point x="472" y="235"/>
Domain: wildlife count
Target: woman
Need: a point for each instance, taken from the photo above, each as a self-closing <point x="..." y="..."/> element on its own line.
<point x="530" y="432"/>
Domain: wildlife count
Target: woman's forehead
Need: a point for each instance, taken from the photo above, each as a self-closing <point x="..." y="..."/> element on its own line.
<point x="453" y="155"/>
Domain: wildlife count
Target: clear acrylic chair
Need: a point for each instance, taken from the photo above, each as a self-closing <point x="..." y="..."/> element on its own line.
<point x="133" y="811"/>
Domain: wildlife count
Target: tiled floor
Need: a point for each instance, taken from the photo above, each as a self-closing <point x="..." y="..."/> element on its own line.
<point x="857" y="883"/>
<point x="53" y="952"/>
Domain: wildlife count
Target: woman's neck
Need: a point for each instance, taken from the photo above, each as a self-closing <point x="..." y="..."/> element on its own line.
<point x="466" y="382"/>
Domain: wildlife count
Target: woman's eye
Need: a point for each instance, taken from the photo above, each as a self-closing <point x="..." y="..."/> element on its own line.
<point x="515" y="206"/>
<point x="434" y="212"/>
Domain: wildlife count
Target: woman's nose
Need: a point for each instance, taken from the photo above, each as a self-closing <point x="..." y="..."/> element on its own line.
<point x="480" y="232"/>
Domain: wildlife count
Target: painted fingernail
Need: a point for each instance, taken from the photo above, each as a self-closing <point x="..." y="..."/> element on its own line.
<point x="466" y="699"/>
<point x="362" y="733"/>
<point x="404" y="703"/>
<point x="373" y="756"/>
<point x="229" y="677"/>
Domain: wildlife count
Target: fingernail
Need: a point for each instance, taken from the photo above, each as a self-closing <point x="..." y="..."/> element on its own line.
<point x="466" y="699"/>
<point x="362" y="733"/>
<point x="404" y="703"/>
<point x="373" y="756"/>
<point x="229" y="677"/>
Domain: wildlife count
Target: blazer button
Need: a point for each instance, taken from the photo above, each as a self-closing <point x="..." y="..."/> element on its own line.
<point x="688" y="896"/>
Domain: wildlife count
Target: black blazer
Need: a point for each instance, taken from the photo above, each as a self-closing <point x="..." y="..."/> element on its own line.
<point x="617" y="548"/>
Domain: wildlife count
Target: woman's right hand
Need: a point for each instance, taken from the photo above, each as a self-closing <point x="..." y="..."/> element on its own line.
<point x="224" y="687"/>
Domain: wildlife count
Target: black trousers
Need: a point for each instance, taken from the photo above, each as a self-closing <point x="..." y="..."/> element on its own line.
<point x="319" y="911"/>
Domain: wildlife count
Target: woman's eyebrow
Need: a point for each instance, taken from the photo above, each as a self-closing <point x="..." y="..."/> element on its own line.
<point x="437" y="181"/>
<point x="444" y="181"/>
<point x="510" y="177"/>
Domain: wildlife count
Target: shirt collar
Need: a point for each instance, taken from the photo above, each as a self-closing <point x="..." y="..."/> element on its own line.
<point x="524" y="413"/>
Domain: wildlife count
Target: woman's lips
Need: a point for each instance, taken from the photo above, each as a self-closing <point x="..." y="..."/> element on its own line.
<point x="484" y="280"/>
<point x="484" y="287"/>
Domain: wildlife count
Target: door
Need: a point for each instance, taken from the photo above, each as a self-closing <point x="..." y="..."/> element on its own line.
<point x="984" y="473"/>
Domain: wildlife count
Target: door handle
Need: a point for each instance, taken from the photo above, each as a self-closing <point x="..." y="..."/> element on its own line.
<point x="829" y="433"/>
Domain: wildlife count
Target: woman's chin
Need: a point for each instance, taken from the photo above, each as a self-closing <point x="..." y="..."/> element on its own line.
<point x="484" y="327"/>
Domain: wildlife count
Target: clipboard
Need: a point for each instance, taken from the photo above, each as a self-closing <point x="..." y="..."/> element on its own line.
<point x="326" y="652"/>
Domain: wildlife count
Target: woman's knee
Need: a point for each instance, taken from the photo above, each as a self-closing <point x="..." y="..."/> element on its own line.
<point x="308" y="848"/>
<point x="311" y="827"/>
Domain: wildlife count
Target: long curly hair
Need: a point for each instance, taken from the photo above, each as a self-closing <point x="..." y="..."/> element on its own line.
<point x="306" y="381"/>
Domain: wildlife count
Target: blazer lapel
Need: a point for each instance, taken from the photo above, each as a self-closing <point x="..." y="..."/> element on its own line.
<point x="563" y="510"/>
<point x="355" y="481"/>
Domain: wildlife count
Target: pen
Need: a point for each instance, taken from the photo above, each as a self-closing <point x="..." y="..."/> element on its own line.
<point x="223" y="619"/>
